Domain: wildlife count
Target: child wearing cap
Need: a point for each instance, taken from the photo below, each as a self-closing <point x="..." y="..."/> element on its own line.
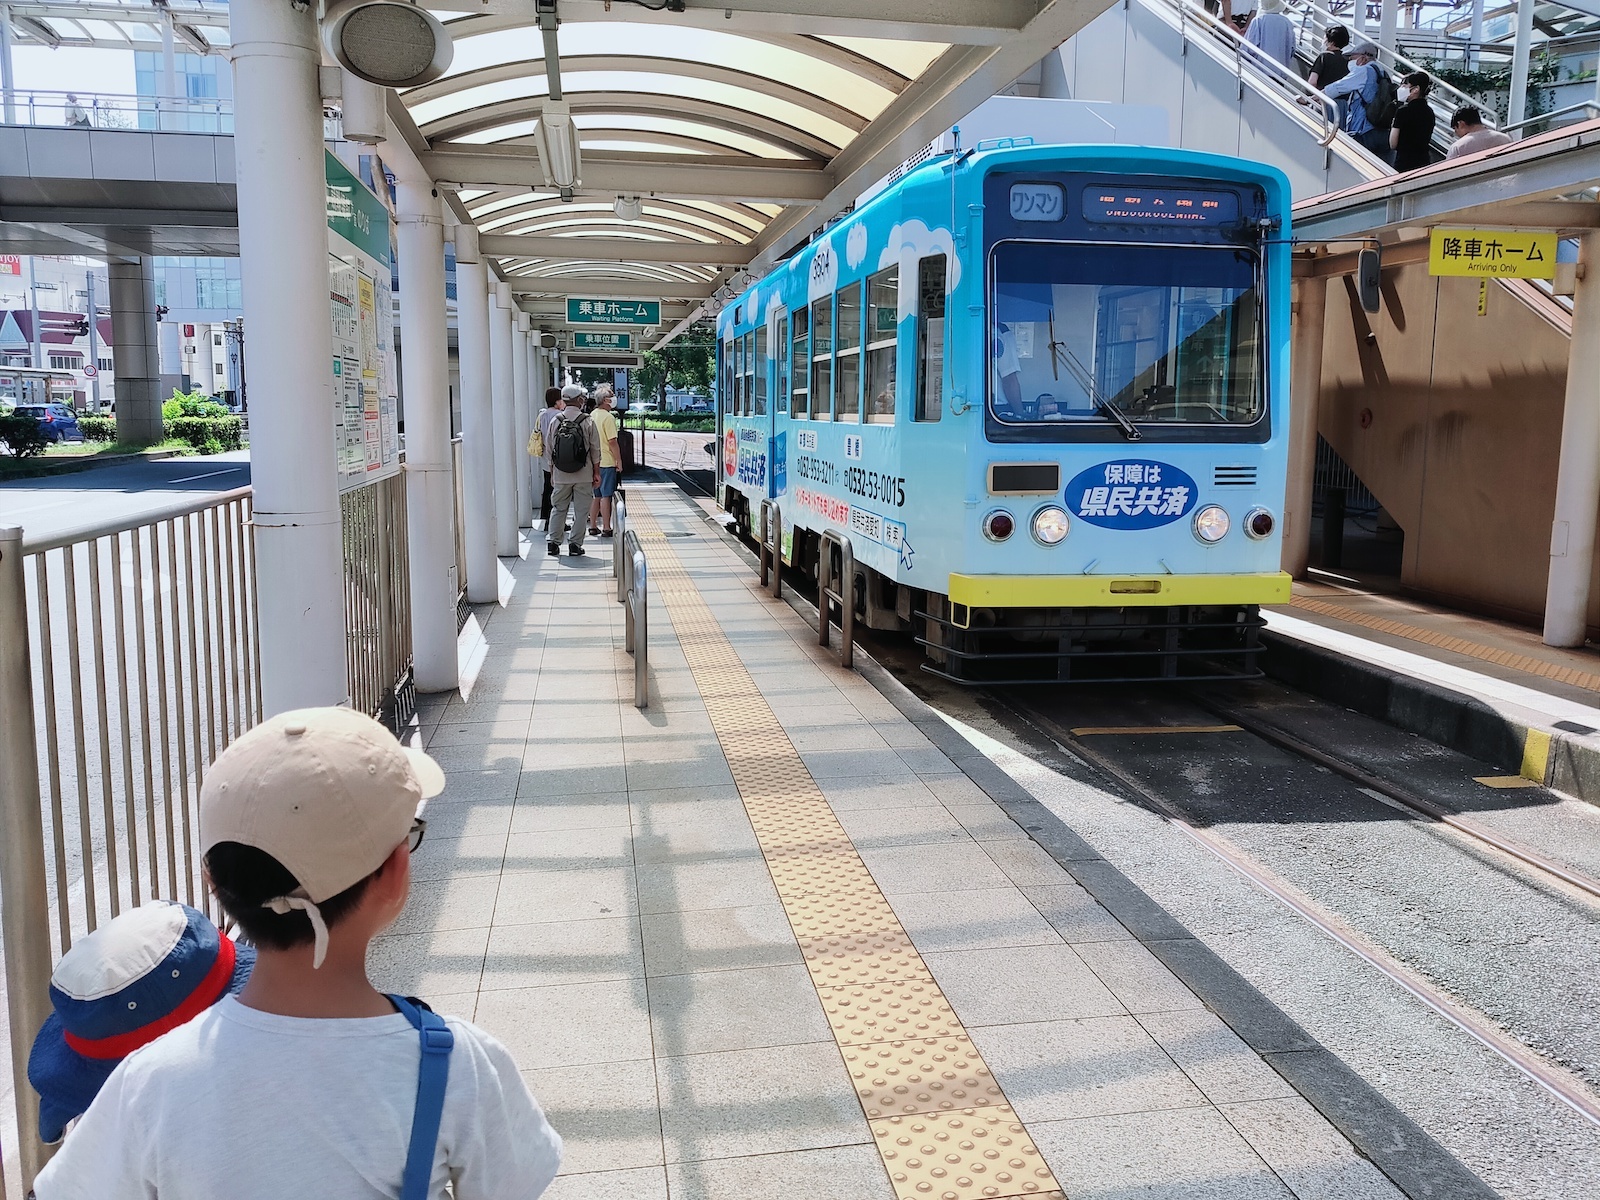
<point x="310" y="1081"/>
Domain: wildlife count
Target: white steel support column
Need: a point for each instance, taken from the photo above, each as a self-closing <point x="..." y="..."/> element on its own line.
<point x="1305" y="400"/>
<point x="283" y="252"/>
<point x="524" y="417"/>
<point x="8" y="81"/>
<point x="1388" y="20"/>
<point x="1517" y="105"/>
<point x="477" y="419"/>
<point x="167" y="102"/>
<point x="1359" y="11"/>
<point x="1475" y="33"/>
<point x="1566" y="605"/>
<point x="502" y="389"/>
<point x="430" y="483"/>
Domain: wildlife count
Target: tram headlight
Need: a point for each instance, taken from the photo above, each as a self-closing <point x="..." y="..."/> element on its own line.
<point x="1258" y="524"/>
<point x="1211" y="524"/>
<point x="1050" y="526"/>
<point x="998" y="525"/>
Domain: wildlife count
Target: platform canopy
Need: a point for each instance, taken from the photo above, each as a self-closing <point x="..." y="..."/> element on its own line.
<point x="741" y="125"/>
<point x="198" y="26"/>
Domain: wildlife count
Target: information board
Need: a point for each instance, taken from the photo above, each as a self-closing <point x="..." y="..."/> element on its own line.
<point x="586" y="311"/>
<point x="602" y="341"/>
<point x="1498" y="253"/>
<point x="360" y="286"/>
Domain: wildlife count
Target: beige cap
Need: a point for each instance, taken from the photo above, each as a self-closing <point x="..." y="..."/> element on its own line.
<point x="327" y="792"/>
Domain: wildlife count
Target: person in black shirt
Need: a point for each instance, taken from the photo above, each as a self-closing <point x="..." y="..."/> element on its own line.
<point x="1330" y="66"/>
<point x="1411" y="136"/>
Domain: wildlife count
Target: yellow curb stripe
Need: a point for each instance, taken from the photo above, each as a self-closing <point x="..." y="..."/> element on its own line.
<point x="1536" y="755"/>
<point x="940" y="1122"/>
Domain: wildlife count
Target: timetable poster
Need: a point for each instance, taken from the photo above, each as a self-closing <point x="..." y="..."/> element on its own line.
<point x="366" y="409"/>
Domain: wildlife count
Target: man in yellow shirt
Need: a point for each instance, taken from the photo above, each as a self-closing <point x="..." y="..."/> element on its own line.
<point x="610" y="461"/>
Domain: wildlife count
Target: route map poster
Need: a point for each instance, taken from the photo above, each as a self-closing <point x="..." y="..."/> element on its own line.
<point x="366" y="411"/>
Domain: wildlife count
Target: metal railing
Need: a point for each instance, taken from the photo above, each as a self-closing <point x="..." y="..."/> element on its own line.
<point x="843" y="595"/>
<point x="458" y="478"/>
<point x="128" y="660"/>
<point x="636" y="615"/>
<point x="770" y="551"/>
<point x="377" y="595"/>
<point x="84" y="110"/>
<point x="619" y="527"/>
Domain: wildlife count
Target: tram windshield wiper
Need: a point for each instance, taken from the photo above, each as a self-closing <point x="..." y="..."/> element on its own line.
<point x="1060" y="355"/>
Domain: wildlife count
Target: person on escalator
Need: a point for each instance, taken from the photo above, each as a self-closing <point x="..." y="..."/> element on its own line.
<point x="1272" y="33"/>
<point x="1330" y="66"/>
<point x="1411" y="136"/>
<point x="1368" y="113"/>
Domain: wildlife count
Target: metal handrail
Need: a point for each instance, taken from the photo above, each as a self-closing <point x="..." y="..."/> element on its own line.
<point x="619" y="526"/>
<point x="1591" y="107"/>
<point x="1232" y="42"/>
<point x="149" y="516"/>
<point x="843" y="595"/>
<point x="636" y="617"/>
<point x="118" y="111"/>
<point x="771" y="553"/>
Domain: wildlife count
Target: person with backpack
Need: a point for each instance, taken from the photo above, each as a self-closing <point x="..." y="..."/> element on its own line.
<point x="1372" y="104"/>
<point x="553" y="404"/>
<point x="310" y="1081"/>
<point x="574" y="449"/>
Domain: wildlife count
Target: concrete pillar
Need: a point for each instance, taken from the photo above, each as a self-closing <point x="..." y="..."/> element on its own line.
<point x="1305" y="397"/>
<point x="477" y="419"/>
<point x="521" y="390"/>
<point x="133" y="340"/>
<point x="502" y="390"/>
<point x="1517" y="105"/>
<point x="1566" y="605"/>
<point x="283" y="252"/>
<point x="430" y="483"/>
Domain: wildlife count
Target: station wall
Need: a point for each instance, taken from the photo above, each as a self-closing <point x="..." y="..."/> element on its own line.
<point x="1453" y="421"/>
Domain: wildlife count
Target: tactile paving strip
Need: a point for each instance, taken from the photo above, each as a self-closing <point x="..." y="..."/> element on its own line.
<point x="938" y="1118"/>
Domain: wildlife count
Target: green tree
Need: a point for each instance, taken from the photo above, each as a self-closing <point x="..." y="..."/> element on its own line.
<point x="687" y="363"/>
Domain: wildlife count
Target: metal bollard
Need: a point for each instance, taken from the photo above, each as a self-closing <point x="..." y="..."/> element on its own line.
<point x="843" y="595"/>
<point x="24" y="898"/>
<point x="619" y="563"/>
<point x="771" y="553"/>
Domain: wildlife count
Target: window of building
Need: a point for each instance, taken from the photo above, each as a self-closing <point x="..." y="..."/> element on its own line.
<point x="822" y="358"/>
<point x="761" y="371"/>
<point x="216" y="339"/>
<point x="930" y="337"/>
<point x="883" y="321"/>
<point x="216" y="368"/>
<point x="800" y="356"/>
<point x="66" y="362"/>
<point x="847" y="372"/>
<point x="105" y="364"/>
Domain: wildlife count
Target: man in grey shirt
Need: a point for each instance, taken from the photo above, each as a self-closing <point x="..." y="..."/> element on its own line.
<point x="1472" y="135"/>
<point x="573" y="479"/>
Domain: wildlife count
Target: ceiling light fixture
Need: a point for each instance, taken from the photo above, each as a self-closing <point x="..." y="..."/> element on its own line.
<point x="629" y="208"/>
<point x="556" y="139"/>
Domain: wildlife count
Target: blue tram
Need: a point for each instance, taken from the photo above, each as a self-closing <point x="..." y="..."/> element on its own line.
<point x="1043" y="390"/>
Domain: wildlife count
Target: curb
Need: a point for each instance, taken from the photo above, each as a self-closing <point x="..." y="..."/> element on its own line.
<point x="1552" y="757"/>
<point x="68" y="466"/>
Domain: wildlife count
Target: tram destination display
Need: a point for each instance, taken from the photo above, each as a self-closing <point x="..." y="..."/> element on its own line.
<point x="1159" y="206"/>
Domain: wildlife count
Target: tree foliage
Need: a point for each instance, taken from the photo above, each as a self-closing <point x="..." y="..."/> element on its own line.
<point x="688" y="363"/>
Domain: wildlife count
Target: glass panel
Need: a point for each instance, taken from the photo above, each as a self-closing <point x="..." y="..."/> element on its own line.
<point x="782" y="363"/>
<point x="749" y="361"/>
<point x="822" y="358"/>
<point x="727" y="377"/>
<point x="761" y="371"/>
<point x="799" y="397"/>
<point x="847" y="405"/>
<point x="1164" y="335"/>
<point x="930" y="338"/>
<point x="883" y="320"/>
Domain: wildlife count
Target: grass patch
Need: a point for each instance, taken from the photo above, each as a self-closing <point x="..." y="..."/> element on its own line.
<point x="74" y="451"/>
<point x="697" y="425"/>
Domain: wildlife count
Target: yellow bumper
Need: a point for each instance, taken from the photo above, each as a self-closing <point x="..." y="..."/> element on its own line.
<point x="1116" y="591"/>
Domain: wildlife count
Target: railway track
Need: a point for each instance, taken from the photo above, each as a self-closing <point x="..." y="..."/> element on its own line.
<point x="1556" y="1080"/>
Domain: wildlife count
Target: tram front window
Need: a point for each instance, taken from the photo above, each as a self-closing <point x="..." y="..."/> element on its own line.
<point x="1134" y="335"/>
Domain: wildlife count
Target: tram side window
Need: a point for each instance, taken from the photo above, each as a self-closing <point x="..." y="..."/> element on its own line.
<point x="749" y="373"/>
<point x="822" y="358"/>
<point x="848" y="368"/>
<point x="780" y="359"/>
<point x="930" y="337"/>
<point x="740" y="407"/>
<point x="726" y="388"/>
<point x="761" y="371"/>
<point x="883" y="319"/>
<point x="799" y="396"/>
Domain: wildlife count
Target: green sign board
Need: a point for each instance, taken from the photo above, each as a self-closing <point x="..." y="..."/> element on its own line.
<point x="602" y="341"/>
<point x="613" y="312"/>
<point x="354" y="213"/>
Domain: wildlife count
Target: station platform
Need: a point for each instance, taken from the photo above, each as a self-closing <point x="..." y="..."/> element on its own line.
<point x="766" y="937"/>
<point x="1483" y="686"/>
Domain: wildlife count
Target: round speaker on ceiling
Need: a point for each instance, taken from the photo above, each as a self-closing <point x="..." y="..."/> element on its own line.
<point x="387" y="42"/>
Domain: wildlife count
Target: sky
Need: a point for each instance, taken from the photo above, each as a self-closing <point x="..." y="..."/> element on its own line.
<point x="108" y="72"/>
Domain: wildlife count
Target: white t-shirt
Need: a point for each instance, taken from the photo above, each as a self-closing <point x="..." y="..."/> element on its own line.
<point x="250" y="1105"/>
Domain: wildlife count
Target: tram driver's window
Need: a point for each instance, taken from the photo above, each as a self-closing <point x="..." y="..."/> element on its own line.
<point x="930" y="337"/>
<point x="883" y="320"/>
<point x="799" y="396"/>
<point x="822" y="358"/>
<point x="761" y="371"/>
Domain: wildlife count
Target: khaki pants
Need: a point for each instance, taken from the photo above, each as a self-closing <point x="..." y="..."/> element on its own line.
<point x="563" y="496"/>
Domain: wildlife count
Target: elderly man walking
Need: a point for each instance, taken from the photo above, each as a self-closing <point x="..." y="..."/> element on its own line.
<point x="610" y="462"/>
<point x="574" y="453"/>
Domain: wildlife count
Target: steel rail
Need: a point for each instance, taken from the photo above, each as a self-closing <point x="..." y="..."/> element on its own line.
<point x="149" y="516"/>
<point x="1570" y="1091"/>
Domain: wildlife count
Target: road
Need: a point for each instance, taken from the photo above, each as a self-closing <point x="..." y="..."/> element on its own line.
<point x="63" y="502"/>
<point x="676" y="451"/>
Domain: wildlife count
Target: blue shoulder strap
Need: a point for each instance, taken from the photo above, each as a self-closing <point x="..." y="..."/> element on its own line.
<point x="437" y="1041"/>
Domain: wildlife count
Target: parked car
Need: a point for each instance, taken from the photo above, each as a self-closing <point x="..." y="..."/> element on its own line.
<point x="697" y="406"/>
<point x="60" y="423"/>
<point x="645" y="408"/>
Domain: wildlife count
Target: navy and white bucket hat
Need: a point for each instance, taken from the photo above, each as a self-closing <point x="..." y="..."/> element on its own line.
<point x="145" y="972"/>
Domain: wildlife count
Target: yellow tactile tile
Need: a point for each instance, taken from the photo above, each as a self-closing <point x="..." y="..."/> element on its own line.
<point x="939" y="1119"/>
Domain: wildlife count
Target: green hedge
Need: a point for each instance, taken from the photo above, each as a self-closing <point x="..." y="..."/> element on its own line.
<point x="23" y="435"/>
<point x="208" y="435"/>
<point x="98" y="429"/>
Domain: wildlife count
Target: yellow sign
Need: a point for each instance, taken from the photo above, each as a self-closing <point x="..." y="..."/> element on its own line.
<point x="1496" y="253"/>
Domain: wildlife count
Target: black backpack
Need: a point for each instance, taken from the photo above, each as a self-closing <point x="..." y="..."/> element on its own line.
<point x="1384" y="103"/>
<point x="569" y="448"/>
